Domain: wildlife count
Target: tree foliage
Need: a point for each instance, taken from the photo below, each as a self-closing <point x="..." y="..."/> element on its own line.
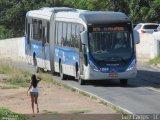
<point x="12" y="12"/>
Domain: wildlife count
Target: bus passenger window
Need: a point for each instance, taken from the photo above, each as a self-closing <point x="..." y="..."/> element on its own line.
<point x="64" y="34"/>
<point x="44" y="35"/>
<point x="60" y="34"/>
<point x="35" y="30"/>
<point x="28" y="33"/>
<point x="73" y="40"/>
<point x="31" y="31"/>
<point x="77" y="37"/>
<point x="48" y="32"/>
<point x="39" y="30"/>
<point x="69" y="35"/>
<point x="56" y="41"/>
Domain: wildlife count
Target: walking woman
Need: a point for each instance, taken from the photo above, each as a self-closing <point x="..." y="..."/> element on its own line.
<point x="33" y="91"/>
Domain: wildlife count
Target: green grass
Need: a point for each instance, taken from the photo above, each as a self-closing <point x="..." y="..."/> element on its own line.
<point x="17" y="76"/>
<point x="6" y="114"/>
<point x="5" y="69"/>
<point x="155" y="61"/>
<point x="9" y="87"/>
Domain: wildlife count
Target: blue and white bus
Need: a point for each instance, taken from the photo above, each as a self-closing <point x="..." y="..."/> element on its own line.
<point x="88" y="45"/>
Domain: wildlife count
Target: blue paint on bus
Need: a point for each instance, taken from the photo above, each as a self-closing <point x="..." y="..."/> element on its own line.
<point x="110" y="69"/>
<point x="47" y="52"/>
<point x="66" y="55"/>
<point x="36" y="47"/>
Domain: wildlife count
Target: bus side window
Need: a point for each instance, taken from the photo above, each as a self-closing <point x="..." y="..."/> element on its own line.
<point x="40" y="30"/>
<point x="78" y="35"/>
<point x="44" y="35"/>
<point x="69" y="29"/>
<point x="60" y="34"/>
<point x="28" y="33"/>
<point x="73" y="40"/>
<point x="56" y="37"/>
<point x="35" y="29"/>
<point x="65" y="43"/>
<point x="48" y="32"/>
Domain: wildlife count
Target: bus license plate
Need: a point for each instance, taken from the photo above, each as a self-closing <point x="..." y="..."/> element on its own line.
<point x="113" y="75"/>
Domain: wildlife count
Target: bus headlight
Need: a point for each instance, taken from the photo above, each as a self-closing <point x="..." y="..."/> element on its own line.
<point x="93" y="66"/>
<point x="132" y="65"/>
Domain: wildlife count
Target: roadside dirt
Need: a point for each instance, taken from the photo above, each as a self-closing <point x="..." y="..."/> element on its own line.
<point x="52" y="99"/>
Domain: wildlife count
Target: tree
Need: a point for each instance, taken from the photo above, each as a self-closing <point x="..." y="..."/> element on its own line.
<point x="12" y="12"/>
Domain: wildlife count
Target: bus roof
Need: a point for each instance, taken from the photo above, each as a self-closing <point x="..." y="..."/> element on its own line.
<point x="46" y="12"/>
<point x="89" y="17"/>
<point x="102" y="17"/>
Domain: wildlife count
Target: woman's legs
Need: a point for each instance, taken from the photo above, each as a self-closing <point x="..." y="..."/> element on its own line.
<point x="32" y="103"/>
<point x="36" y="102"/>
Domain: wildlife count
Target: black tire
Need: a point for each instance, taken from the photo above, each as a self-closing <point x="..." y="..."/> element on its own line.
<point x="76" y="77"/>
<point x="62" y="75"/>
<point x="81" y="81"/>
<point x="124" y="81"/>
<point x="37" y="69"/>
<point x="54" y="74"/>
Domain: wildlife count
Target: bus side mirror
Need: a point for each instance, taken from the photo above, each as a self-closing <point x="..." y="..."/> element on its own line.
<point x="136" y="37"/>
<point x="84" y="37"/>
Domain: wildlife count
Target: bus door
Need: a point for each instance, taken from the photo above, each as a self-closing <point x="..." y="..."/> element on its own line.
<point x="29" y="34"/>
<point x="79" y="29"/>
<point x="45" y="46"/>
<point x="81" y="58"/>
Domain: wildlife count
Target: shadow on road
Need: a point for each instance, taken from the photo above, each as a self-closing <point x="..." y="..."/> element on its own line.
<point x="148" y="79"/>
<point x="106" y="83"/>
<point x="143" y="79"/>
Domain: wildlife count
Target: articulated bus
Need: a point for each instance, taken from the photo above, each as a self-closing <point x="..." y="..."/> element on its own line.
<point x="88" y="45"/>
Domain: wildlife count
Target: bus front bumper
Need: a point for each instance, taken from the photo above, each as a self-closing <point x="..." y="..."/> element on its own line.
<point x="90" y="74"/>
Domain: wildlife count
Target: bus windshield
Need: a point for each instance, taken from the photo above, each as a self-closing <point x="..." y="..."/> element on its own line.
<point x="110" y="43"/>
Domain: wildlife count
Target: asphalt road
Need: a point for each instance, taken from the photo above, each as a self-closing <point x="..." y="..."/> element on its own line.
<point x="140" y="96"/>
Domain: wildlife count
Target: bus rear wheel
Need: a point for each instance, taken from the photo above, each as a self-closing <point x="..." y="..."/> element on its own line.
<point x="62" y="75"/>
<point x="35" y="65"/>
<point x="37" y="69"/>
<point x="76" y="76"/>
<point x="124" y="81"/>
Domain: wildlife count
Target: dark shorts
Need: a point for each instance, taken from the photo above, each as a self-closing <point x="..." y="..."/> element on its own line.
<point x="34" y="94"/>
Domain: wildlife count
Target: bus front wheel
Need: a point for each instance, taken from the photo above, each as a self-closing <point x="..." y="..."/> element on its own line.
<point x="123" y="81"/>
<point x="81" y="81"/>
